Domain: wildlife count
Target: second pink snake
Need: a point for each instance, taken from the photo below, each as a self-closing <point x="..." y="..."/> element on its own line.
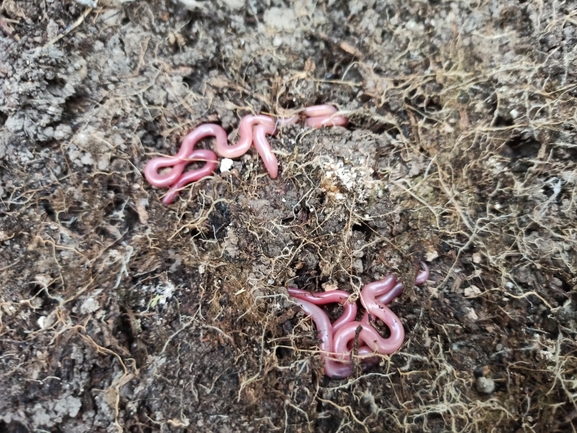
<point x="336" y="339"/>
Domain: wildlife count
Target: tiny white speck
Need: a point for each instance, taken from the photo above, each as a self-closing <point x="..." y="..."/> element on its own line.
<point x="225" y="165"/>
<point x="89" y="3"/>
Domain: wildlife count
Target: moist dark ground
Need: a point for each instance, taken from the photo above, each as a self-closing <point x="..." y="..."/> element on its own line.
<point x="118" y="313"/>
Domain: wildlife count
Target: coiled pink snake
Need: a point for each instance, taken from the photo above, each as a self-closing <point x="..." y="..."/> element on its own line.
<point x="336" y="339"/>
<point x="252" y="131"/>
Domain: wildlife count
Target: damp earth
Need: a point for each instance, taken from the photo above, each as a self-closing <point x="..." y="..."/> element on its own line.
<point x="118" y="313"/>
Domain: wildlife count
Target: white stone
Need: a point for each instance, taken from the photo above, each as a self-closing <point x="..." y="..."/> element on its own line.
<point x="471" y="315"/>
<point x="485" y="385"/>
<point x="225" y="165"/>
<point x="472" y="291"/>
<point x="90" y="305"/>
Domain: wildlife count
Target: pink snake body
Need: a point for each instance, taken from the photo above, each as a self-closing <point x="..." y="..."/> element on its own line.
<point x="336" y="339"/>
<point x="252" y="131"/>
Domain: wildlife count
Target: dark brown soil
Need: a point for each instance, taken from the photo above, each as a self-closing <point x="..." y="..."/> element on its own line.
<point x="118" y="313"/>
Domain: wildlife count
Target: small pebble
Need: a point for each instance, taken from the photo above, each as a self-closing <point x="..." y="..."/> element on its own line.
<point x="485" y="385"/>
<point x="225" y="165"/>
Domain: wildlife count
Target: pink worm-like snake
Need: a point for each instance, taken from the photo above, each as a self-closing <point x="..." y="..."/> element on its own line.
<point x="336" y="338"/>
<point x="337" y="369"/>
<point x="252" y="131"/>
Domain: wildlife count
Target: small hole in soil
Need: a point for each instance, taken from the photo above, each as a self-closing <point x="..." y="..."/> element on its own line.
<point x="123" y="330"/>
<point x="288" y="103"/>
<point x="45" y="204"/>
<point x="549" y="191"/>
<point x="503" y="121"/>
<point x="219" y="219"/>
<point x="75" y="105"/>
<point x="364" y="228"/>
<point x="13" y="427"/>
<point x="381" y="128"/>
<point x="376" y="125"/>
<point x="48" y="302"/>
<point x="433" y="104"/>
<point x="116" y="188"/>
<point x="523" y="147"/>
<point x="250" y="20"/>
<point x="283" y="352"/>
<point x="197" y="79"/>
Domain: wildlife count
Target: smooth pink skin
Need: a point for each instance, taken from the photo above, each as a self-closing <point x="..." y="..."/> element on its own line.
<point x="182" y="158"/>
<point x="369" y="335"/>
<point x="370" y="339"/>
<point x="374" y="297"/>
<point x="319" y="116"/>
<point x="387" y="296"/>
<point x="263" y="148"/>
<point x="334" y="369"/>
<point x="321" y="298"/>
<point x="423" y="275"/>
<point x="323" y="323"/>
<point x="350" y="309"/>
<point x="245" y="131"/>
<point x="319" y="122"/>
<point x="378" y="288"/>
<point x="349" y="315"/>
<point x="252" y="130"/>
<point x="192" y="176"/>
<point x="341" y="368"/>
<point x="320" y="110"/>
<point x="340" y="296"/>
<point x="325" y="335"/>
<point x="287" y="121"/>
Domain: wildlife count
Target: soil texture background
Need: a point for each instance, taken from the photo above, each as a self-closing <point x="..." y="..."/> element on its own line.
<point x="118" y="313"/>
